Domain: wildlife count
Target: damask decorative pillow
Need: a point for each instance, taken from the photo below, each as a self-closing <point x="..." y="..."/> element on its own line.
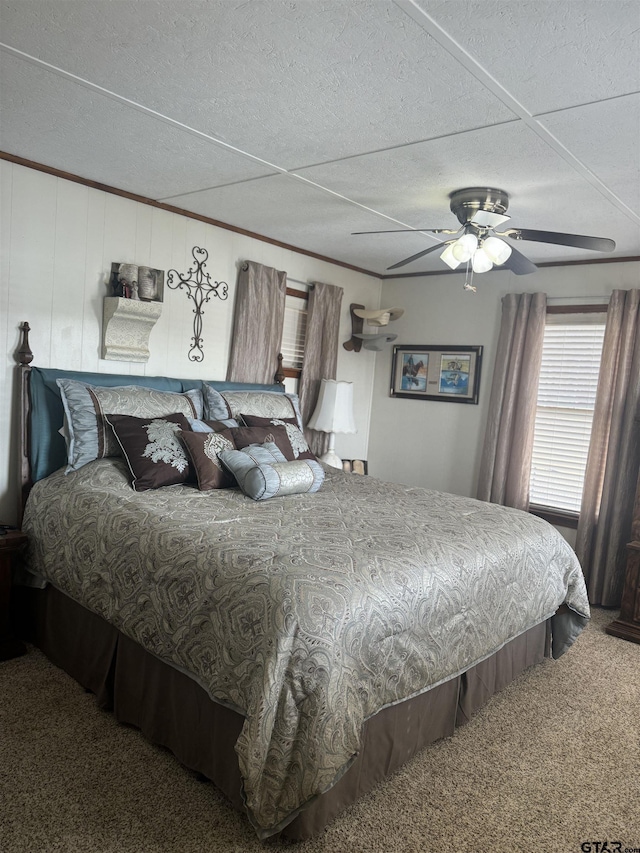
<point x="261" y="479"/>
<point x="219" y="405"/>
<point x="299" y="449"/>
<point x="153" y="449"/>
<point x="85" y="407"/>
<point x="245" y="436"/>
<point x="204" y="449"/>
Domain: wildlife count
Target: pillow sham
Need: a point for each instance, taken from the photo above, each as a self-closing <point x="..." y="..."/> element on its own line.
<point x="85" y="407"/>
<point x="152" y="449"/>
<point x="261" y="480"/>
<point x="219" y="405"/>
<point x="203" y="449"/>
<point x="211" y="426"/>
<point x="299" y="447"/>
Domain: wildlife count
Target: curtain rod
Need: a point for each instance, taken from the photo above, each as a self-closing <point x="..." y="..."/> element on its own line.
<point x="309" y="284"/>
<point x="580" y="299"/>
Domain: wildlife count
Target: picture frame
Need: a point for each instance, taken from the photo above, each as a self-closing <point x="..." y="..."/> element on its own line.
<point x="445" y="373"/>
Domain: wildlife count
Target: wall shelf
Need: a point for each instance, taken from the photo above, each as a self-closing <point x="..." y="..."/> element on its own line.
<point x="126" y="326"/>
<point x="377" y="317"/>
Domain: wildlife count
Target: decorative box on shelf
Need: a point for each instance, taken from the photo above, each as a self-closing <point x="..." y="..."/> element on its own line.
<point x="355" y="466"/>
<point x="126" y="326"/>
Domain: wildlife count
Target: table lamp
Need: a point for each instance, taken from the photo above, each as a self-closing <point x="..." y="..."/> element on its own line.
<point x="333" y="413"/>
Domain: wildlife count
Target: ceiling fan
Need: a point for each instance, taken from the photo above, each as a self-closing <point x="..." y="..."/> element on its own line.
<point x="480" y="211"/>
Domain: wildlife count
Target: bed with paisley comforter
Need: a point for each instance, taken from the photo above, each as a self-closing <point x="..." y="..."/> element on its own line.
<point x="307" y="625"/>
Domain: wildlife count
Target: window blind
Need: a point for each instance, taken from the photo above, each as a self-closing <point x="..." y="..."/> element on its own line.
<point x="571" y="356"/>
<point x="294" y="332"/>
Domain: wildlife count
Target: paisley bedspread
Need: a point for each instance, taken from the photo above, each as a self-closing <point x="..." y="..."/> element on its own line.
<point x="308" y="613"/>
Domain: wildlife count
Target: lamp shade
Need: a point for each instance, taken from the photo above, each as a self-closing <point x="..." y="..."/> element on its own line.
<point x="447" y="257"/>
<point x="481" y="261"/>
<point x="497" y="250"/>
<point x="464" y="247"/>
<point x="334" y="410"/>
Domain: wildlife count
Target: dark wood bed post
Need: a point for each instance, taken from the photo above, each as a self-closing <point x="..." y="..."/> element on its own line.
<point x="24" y="357"/>
<point x="279" y="374"/>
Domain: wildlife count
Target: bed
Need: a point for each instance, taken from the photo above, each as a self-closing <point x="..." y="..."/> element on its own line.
<point x="295" y="650"/>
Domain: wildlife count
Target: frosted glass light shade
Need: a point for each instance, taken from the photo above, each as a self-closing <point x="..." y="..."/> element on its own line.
<point x="334" y="410"/>
<point x="447" y="257"/>
<point x="464" y="248"/>
<point x="481" y="261"/>
<point x="496" y="250"/>
<point x="489" y="220"/>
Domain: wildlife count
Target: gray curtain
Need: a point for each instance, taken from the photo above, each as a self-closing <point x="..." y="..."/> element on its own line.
<point x="320" y="354"/>
<point x="258" y="323"/>
<point x="604" y="527"/>
<point x="505" y="465"/>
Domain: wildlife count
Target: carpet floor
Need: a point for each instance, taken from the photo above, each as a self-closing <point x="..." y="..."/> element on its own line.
<point x="549" y="765"/>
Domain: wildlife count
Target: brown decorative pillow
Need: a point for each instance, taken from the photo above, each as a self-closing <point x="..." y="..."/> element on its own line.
<point x="244" y="436"/>
<point x="299" y="449"/>
<point x="221" y="426"/>
<point x="254" y="420"/>
<point x="153" y="449"/>
<point x="203" y="449"/>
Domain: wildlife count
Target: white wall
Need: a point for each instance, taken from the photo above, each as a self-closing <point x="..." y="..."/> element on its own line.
<point x="438" y="444"/>
<point x="58" y="240"/>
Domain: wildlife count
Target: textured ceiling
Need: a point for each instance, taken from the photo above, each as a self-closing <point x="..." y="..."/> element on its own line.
<point x="305" y="121"/>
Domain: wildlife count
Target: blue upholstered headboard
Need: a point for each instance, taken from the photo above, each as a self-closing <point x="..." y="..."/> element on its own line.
<point x="47" y="449"/>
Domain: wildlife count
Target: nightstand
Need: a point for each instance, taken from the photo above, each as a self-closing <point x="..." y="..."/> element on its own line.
<point x="627" y="625"/>
<point x="10" y="543"/>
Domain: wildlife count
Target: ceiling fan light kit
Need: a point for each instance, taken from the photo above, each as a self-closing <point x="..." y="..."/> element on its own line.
<point x="479" y="211"/>
<point x="484" y="253"/>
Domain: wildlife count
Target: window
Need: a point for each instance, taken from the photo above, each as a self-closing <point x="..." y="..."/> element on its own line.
<point x="293" y="336"/>
<point x="571" y="355"/>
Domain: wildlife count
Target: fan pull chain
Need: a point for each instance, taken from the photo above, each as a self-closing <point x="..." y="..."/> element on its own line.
<point x="468" y="279"/>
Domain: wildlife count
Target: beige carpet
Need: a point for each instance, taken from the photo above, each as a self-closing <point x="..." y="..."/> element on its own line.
<point x="550" y="763"/>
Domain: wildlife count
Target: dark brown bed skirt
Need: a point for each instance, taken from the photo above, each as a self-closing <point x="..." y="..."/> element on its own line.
<point x="174" y="711"/>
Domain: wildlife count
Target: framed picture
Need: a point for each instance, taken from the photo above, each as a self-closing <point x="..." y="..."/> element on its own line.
<point x="447" y="373"/>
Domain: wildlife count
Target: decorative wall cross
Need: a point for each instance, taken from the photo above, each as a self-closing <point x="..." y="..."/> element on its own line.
<point x="199" y="288"/>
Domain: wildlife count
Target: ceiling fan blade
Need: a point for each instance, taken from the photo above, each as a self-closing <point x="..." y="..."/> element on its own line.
<point x="408" y="230"/>
<point x="415" y="257"/>
<point x="579" y="241"/>
<point x="519" y="264"/>
<point x="486" y="219"/>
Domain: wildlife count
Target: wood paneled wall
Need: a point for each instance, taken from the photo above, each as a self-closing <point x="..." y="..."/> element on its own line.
<point x="58" y="241"/>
